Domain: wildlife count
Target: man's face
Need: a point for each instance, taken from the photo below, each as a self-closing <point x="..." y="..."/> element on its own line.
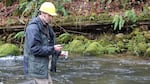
<point x="47" y="18"/>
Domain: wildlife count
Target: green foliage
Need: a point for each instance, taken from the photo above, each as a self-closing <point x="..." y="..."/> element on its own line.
<point x="146" y="9"/>
<point x="64" y="38"/>
<point x="19" y="35"/>
<point x="103" y="17"/>
<point x="147" y="35"/>
<point x="30" y="7"/>
<point x="9" y="49"/>
<point x="130" y="45"/>
<point x="147" y="54"/>
<point x="76" y="46"/>
<point x="104" y="42"/>
<point x="10" y="37"/>
<point x="139" y="38"/>
<point x="143" y="17"/>
<point x="131" y="15"/>
<point x="94" y="49"/>
<point x="118" y="22"/>
<point x="82" y="38"/>
<point x="142" y="46"/>
<point x="110" y="49"/>
<point x="9" y="2"/>
<point x="10" y="21"/>
<point x="60" y="6"/>
<point x="120" y="45"/>
<point x="137" y="45"/>
<point x="121" y="22"/>
<point x="119" y="36"/>
<point x="1" y="42"/>
<point x="125" y="3"/>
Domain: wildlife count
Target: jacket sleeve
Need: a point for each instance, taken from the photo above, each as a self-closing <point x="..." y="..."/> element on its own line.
<point x="34" y="42"/>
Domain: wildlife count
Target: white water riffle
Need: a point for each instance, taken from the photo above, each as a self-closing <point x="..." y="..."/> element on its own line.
<point x="11" y="60"/>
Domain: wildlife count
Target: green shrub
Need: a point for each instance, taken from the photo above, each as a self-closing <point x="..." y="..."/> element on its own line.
<point x="64" y="38"/>
<point x="147" y="53"/>
<point x="76" y="46"/>
<point x="94" y="49"/>
<point x="9" y="49"/>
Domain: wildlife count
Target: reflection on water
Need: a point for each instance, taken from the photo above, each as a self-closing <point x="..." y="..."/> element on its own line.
<point x="85" y="70"/>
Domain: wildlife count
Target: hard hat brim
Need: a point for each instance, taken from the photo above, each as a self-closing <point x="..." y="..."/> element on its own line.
<point x="53" y="14"/>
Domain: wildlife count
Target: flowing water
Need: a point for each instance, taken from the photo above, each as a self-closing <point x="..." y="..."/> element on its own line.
<point x="84" y="70"/>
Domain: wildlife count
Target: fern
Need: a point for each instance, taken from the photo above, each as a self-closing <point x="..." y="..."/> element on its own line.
<point x="121" y="22"/>
<point x="131" y="15"/>
<point x="19" y="35"/>
<point x="118" y="22"/>
<point x="30" y="7"/>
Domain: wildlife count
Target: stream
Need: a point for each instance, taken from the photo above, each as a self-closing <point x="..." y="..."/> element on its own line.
<point x="84" y="70"/>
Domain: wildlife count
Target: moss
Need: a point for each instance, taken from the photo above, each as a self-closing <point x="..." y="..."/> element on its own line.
<point x="135" y="32"/>
<point x="147" y="35"/>
<point x="130" y="45"/>
<point x="94" y="49"/>
<point x="111" y="50"/>
<point x="76" y="46"/>
<point x="1" y="42"/>
<point x="139" y="38"/>
<point x="137" y="46"/>
<point x="104" y="18"/>
<point x="82" y="38"/>
<point x="119" y="36"/>
<point x="83" y="20"/>
<point x="64" y="38"/>
<point x="142" y="48"/>
<point x="9" y="49"/>
<point x="120" y="44"/>
<point x="143" y="17"/>
<point x="105" y="39"/>
<point x="104" y="42"/>
<point x="147" y="53"/>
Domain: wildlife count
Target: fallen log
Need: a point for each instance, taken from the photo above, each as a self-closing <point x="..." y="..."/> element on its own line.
<point x="80" y="29"/>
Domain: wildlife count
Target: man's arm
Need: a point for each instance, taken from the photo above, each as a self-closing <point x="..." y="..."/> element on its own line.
<point x="34" y="42"/>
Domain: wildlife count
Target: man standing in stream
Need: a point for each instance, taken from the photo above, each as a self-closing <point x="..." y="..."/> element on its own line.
<point x="40" y="44"/>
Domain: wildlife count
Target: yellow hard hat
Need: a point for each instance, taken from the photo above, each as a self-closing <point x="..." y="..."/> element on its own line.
<point x="49" y="8"/>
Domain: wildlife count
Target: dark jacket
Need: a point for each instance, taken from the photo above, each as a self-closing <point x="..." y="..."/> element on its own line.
<point x="39" y="45"/>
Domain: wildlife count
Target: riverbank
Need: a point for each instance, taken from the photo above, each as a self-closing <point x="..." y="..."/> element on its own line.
<point x="135" y="43"/>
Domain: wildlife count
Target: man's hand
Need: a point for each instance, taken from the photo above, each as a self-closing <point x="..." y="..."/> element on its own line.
<point x="58" y="47"/>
